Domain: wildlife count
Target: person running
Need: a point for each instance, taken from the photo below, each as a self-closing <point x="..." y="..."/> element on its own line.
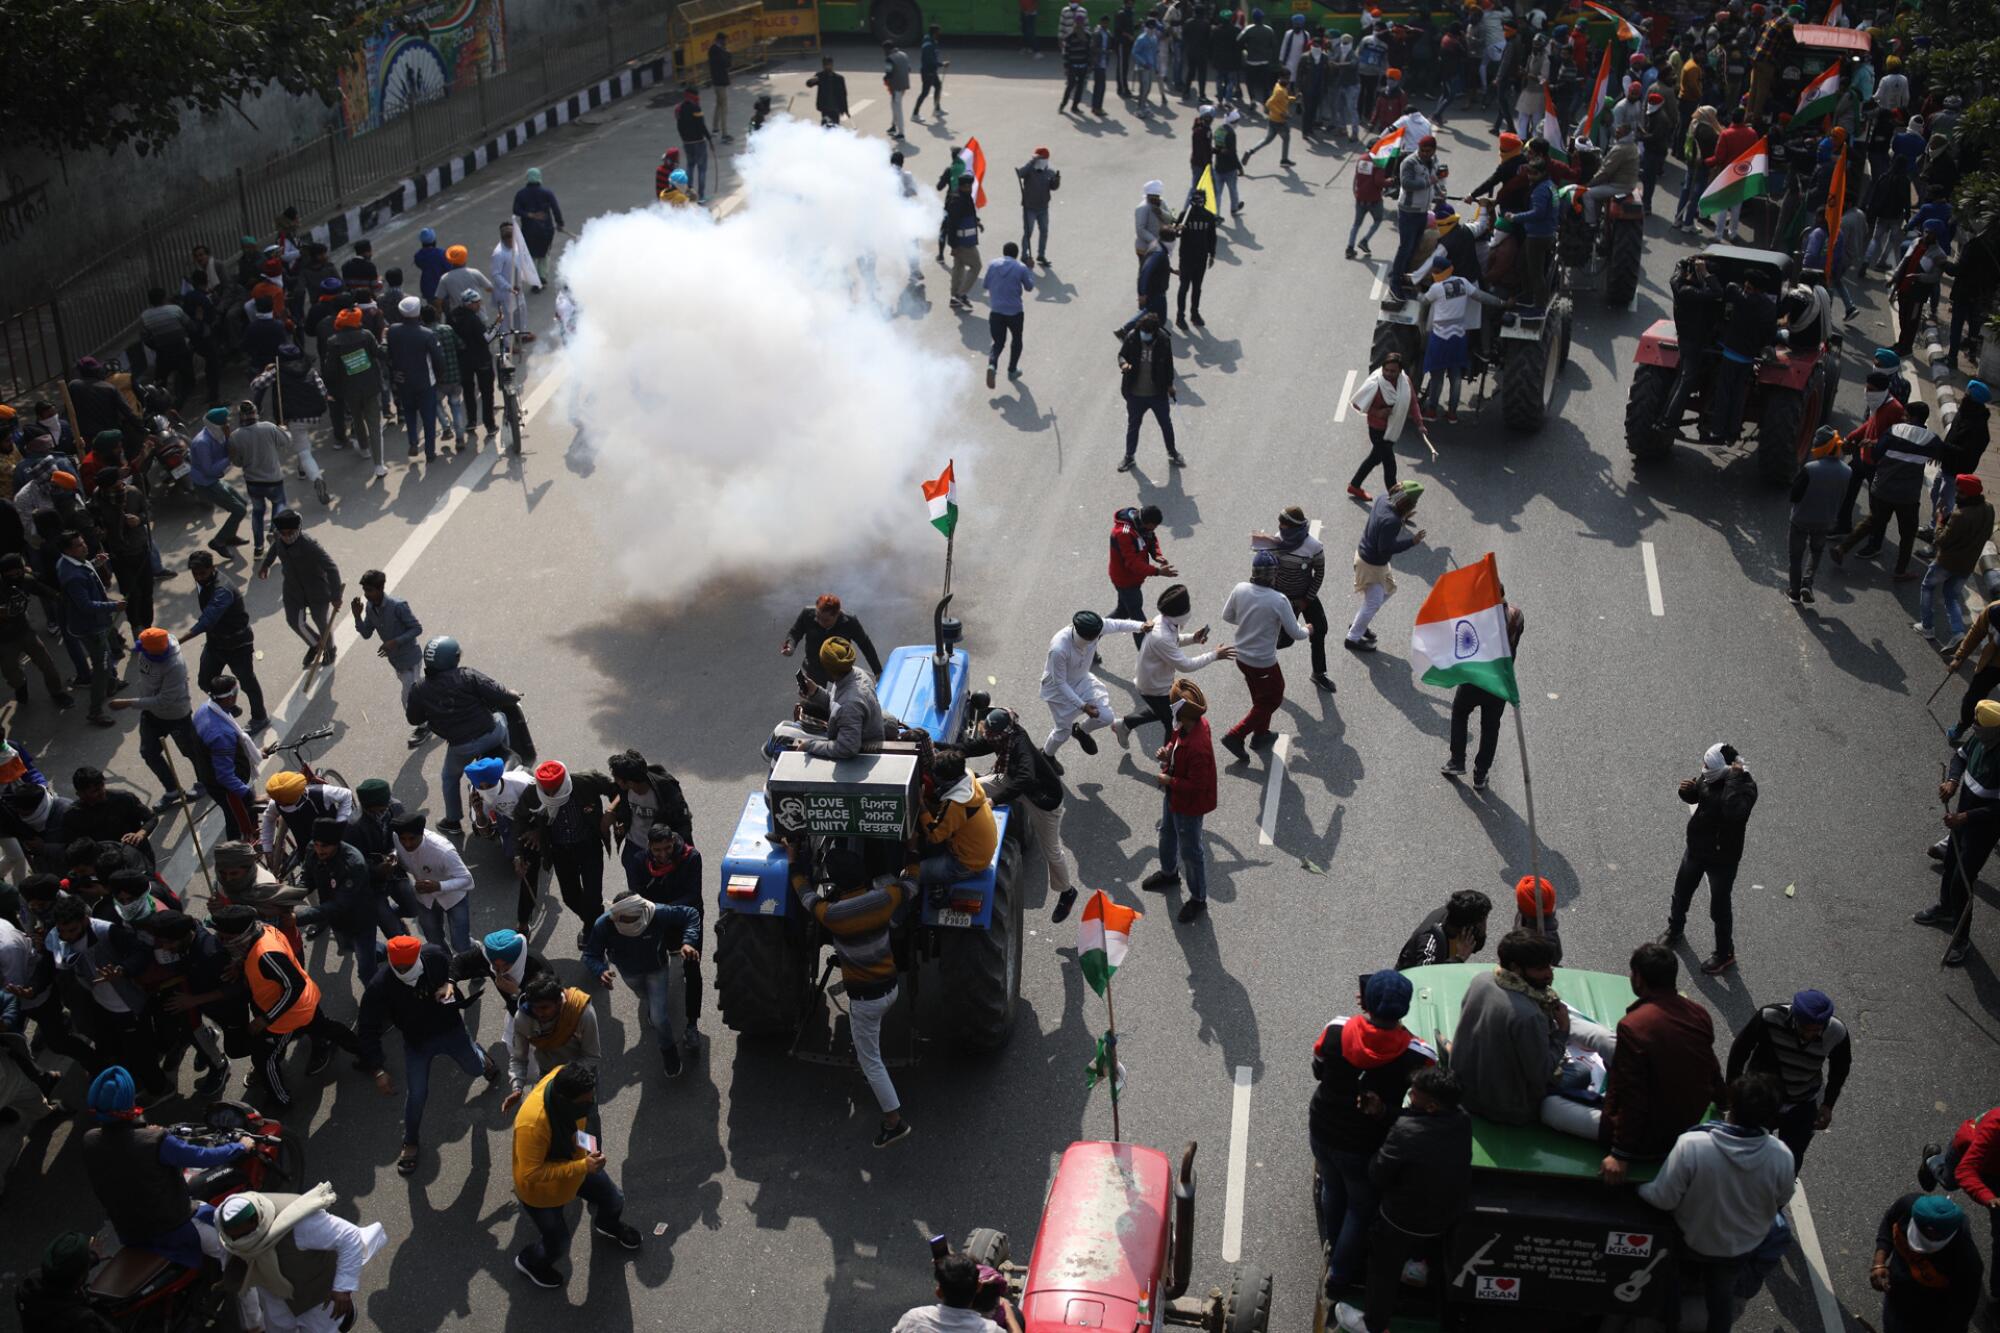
<point x="554" y="1025"/>
<point x="1807" y="1053"/>
<point x="1972" y="829"/>
<point x="1261" y="615"/>
<point x="1187" y="787"/>
<point x="642" y="943"/>
<point x="465" y="709"/>
<point x="1388" y="397"/>
<point x="1468" y="699"/>
<point x="377" y="613"/>
<point x="1723" y="794"/>
<point x="1383" y="537"/>
<point x="312" y="584"/>
<point x="1301" y="571"/>
<point x="565" y="817"/>
<point x="1005" y="280"/>
<point x="1078" y="702"/>
<point x="231" y="643"/>
<point x="293" y="1261"/>
<point x="1163" y="657"/>
<point x="415" y="995"/>
<point x="557" y="1162"/>
<point x="284" y="1001"/>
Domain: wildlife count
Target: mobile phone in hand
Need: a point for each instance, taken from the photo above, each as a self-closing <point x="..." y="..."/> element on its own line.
<point x="587" y="1142"/>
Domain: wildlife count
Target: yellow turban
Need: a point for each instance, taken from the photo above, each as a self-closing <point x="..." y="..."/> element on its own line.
<point x="286" y="788"/>
<point x="1987" y="714"/>
<point x="836" y="656"/>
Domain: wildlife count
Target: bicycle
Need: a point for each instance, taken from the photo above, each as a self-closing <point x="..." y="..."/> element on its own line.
<point x="505" y="358"/>
<point x="281" y="853"/>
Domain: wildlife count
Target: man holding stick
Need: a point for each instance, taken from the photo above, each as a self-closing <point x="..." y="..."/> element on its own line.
<point x="1974" y="778"/>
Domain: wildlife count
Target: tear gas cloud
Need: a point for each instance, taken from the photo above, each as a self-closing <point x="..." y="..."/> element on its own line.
<point x="751" y="404"/>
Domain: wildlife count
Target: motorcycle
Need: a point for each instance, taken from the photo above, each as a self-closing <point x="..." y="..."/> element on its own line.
<point x="171" y="463"/>
<point x="139" y="1291"/>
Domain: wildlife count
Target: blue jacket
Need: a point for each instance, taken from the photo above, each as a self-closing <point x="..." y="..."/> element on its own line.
<point x="1383" y="534"/>
<point x="431" y="263"/>
<point x="223" y="740"/>
<point x="208" y="458"/>
<point x="1004" y="281"/>
<point x="672" y="926"/>
<point x="88" y="607"/>
<point x="1540" y="219"/>
<point x="394" y="620"/>
<point x="927" y="56"/>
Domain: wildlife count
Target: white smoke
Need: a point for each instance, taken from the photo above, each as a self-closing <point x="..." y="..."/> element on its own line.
<point x="752" y="403"/>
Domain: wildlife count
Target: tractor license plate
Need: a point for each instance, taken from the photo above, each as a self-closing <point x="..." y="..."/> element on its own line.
<point x="947" y="917"/>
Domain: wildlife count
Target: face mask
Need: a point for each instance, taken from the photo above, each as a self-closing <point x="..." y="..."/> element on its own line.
<point x="138" y="909"/>
<point x="410" y="975"/>
<point x="240" y="945"/>
<point x="633" y="924"/>
<point x="1872" y="399"/>
<point x="166" y="957"/>
<point x="1145" y="337"/>
<point x="1174" y="710"/>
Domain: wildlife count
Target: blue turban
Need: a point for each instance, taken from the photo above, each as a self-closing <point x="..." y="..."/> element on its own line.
<point x="1386" y="995"/>
<point x="1812" y="1006"/>
<point x="504" y="946"/>
<point x="427" y="237"/>
<point x="112" y="1093"/>
<point x="485" y="772"/>
<point x="1977" y="391"/>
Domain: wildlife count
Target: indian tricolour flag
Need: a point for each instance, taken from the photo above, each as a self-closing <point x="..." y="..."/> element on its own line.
<point x="1816" y="99"/>
<point x="1600" y="92"/>
<point x="1103" y="934"/>
<point x="942" y="497"/>
<point x="971" y="161"/>
<point x="1552" y="127"/>
<point x="1462" y="629"/>
<point x="1401" y="137"/>
<point x="1740" y="180"/>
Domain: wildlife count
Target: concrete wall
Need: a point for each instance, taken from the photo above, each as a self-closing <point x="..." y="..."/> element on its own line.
<point x="60" y="211"/>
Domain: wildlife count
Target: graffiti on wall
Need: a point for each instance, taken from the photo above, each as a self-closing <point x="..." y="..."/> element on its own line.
<point x="421" y="54"/>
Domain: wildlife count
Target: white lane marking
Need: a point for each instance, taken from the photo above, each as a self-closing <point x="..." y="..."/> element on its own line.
<point x="856" y="108"/>
<point x="1381" y="274"/>
<point x="1659" y="608"/>
<point x="730" y="203"/>
<point x="1274" y="789"/>
<point x="1346" y="392"/>
<point x="1314" y="528"/>
<point x="1239" y="1165"/>
<point x="1822" y="1288"/>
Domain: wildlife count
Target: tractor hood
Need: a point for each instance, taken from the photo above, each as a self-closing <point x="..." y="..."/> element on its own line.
<point x="1102" y="1246"/>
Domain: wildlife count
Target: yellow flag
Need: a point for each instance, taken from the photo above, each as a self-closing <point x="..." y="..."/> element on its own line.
<point x="1206" y="185"/>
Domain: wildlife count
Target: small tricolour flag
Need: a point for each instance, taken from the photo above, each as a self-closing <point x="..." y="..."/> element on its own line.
<point x="1834" y="15"/>
<point x="1205" y="187"/>
<point x="1101" y="1066"/>
<point x="971" y="160"/>
<point x="1387" y="148"/>
<point x="942" y="497"/>
<point x="1817" y="99"/>
<point x="1740" y="180"/>
<point x="1462" y="629"/>
<point x="1103" y="933"/>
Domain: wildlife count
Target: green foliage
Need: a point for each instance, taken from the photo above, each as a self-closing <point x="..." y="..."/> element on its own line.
<point x="1961" y="58"/>
<point x="90" y="74"/>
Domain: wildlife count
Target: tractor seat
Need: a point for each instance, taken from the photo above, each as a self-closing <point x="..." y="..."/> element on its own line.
<point x="126" y="1273"/>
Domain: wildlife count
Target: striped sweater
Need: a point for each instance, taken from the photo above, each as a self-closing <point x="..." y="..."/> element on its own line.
<point x="859" y="925"/>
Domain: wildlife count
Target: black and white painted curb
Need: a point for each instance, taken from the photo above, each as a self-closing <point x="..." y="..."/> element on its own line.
<point x="344" y="228"/>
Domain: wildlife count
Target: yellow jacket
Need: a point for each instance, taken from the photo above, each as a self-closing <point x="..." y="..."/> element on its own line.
<point x="1978" y="639"/>
<point x="1279" y="106"/>
<point x="539" y="1182"/>
<point x="966" y="826"/>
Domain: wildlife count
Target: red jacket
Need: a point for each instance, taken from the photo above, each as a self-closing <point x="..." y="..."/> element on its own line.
<point x="1389" y="108"/>
<point x="1732" y="143"/>
<point x="1368" y="182"/>
<point x="1664" y="1078"/>
<point x="1977" y="1148"/>
<point x="1190" y="770"/>
<point x="1132" y="551"/>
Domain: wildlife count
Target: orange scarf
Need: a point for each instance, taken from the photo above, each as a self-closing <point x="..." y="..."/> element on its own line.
<point x="560" y="1031"/>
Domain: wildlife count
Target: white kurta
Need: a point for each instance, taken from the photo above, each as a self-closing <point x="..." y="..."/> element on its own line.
<point x="353" y="1246"/>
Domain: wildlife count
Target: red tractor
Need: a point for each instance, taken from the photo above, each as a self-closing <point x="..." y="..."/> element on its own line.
<point x="1789" y="396"/>
<point x="1115" y="1250"/>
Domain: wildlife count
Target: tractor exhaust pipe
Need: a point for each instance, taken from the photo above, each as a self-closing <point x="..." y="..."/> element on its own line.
<point x="945" y="631"/>
<point x="1181" y="1262"/>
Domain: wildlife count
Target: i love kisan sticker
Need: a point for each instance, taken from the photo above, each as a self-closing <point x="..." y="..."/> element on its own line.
<point x="1629" y="1244"/>
<point x="1498" y="1289"/>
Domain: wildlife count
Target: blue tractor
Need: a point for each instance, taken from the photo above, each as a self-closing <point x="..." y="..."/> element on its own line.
<point x="959" y="954"/>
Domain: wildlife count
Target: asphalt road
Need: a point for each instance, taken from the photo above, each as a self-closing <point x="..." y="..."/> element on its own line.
<point x="752" y="1178"/>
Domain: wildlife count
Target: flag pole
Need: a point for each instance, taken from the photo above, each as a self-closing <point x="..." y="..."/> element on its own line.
<point x="1111" y="1055"/>
<point x="1528" y="793"/>
<point x="950" y="538"/>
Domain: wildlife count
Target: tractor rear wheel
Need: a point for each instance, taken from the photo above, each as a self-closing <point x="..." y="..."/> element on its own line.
<point x="980" y="970"/>
<point x="898" y="21"/>
<point x="1248" y="1309"/>
<point x="1649" y="437"/>
<point x="1528" y="371"/>
<point x="985" y="1245"/>
<point x="761" y="981"/>
<point x="1784" y="429"/>
<point x="1621" y="270"/>
<point x="1392" y="337"/>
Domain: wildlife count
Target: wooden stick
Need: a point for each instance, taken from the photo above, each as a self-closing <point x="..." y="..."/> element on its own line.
<point x="187" y="813"/>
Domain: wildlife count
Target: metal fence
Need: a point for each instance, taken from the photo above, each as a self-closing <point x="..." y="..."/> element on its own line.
<point x="96" y="310"/>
